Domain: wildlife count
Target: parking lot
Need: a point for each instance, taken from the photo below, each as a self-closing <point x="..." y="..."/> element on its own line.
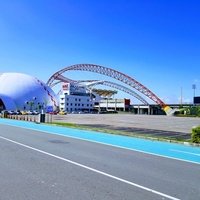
<point x="155" y="125"/>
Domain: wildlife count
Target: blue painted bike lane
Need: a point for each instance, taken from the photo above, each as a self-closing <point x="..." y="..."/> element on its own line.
<point x="165" y="149"/>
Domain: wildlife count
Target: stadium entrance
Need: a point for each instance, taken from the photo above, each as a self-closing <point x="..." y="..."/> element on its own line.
<point x="2" y="106"/>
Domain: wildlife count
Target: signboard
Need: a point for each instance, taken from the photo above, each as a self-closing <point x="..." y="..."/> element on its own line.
<point x="196" y="100"/>
<point x="65" y="86"/>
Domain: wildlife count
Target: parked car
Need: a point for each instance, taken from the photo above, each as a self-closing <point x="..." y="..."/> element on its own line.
<point x="12" y="112"/>
<point x="24" y="112"/>
<point x="53" y="112"/>
<point x="74" y="112"/>
<point x="32" y="112"/>
<point x="18" y="112"/>
<point x="35" y="112"/>
<point x="62" y="112"/>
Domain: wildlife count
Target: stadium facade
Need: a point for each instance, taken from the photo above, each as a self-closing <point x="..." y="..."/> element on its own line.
<point x="78" y="97"/>
<point x="23" y="92"/>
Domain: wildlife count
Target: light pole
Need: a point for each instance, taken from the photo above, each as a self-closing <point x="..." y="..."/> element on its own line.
<point x="194" y="87"/>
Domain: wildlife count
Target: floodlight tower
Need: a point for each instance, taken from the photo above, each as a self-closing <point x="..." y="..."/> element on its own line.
<point x="194" y="87"/>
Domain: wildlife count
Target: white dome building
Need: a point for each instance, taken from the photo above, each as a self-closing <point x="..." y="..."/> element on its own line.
<point x="23" y="92"/>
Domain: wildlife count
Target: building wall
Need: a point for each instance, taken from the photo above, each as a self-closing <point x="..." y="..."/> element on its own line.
<point x="75" y="98"/>
<point x="114" y="104"/>
<point x="72" y="103"/>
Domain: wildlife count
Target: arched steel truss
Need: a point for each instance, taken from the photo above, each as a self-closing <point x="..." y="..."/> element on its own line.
<point x="111" y="73"/>
<point x="119" y="87"/>
<point x="62" y="78"/>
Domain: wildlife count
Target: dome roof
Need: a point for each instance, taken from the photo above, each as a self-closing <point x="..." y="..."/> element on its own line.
<point x="24" y="92"/>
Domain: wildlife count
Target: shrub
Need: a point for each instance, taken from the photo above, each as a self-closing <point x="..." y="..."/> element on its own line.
<point x="196" y="134"/>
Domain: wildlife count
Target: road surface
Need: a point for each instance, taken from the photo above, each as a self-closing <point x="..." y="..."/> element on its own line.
<point x="37" y="165"/>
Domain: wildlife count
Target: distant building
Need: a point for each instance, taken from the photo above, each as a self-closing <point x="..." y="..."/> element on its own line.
<point x="71" y="103"/>
<point x="113" y="104"/>
<point x="76" y="99"/>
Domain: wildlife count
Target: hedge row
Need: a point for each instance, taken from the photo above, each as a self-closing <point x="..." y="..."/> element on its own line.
<point x="196" y="135"/>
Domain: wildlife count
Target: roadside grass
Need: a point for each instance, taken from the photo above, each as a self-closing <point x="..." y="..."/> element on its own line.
<point x="123" y="133"/>
<point x="66" y="124"/>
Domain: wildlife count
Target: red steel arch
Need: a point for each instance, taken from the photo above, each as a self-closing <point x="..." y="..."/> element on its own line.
<point x="113" y="74"/>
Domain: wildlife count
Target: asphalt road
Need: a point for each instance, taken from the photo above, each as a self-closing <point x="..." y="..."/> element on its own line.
<point x="37" y="166"/>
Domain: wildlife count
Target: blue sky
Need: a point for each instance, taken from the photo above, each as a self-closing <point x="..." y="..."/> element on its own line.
<point x="157" y="42"/>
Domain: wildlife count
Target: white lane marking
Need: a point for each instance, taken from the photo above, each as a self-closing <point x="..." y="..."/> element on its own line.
<point x="92" y="169"/>
<point x="112" y="145"/>
<point x="196" y="154"/>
